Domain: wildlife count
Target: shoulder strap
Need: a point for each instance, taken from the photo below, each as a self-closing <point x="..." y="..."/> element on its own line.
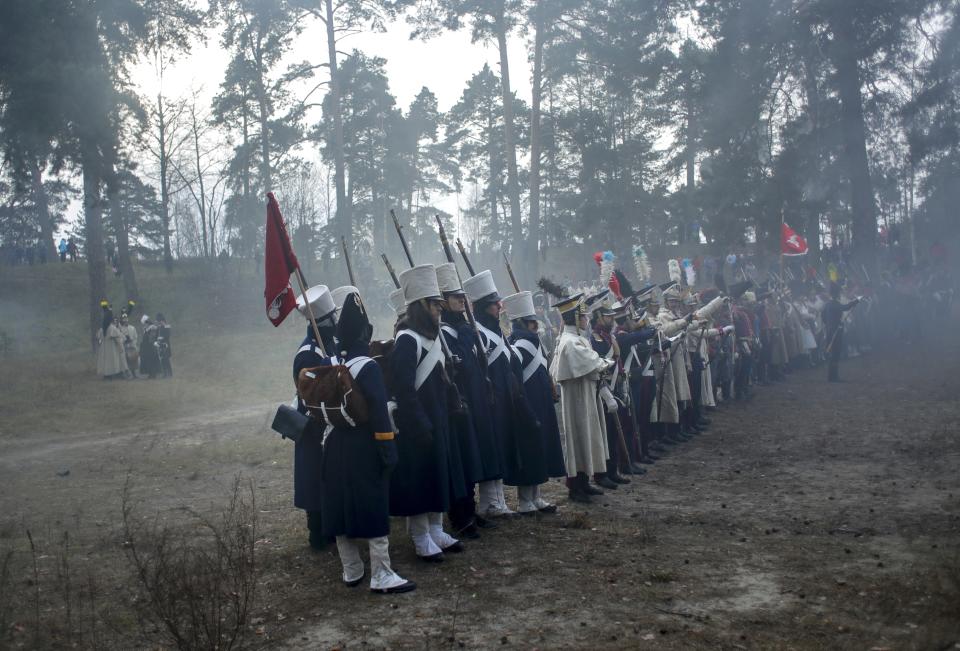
<point x="537" y="360"/>
<point x="356" y="365"/>
<point x="499" y="346"/>
<point x="433" y="357"/>
<point x="309" y="347"/>
<point x="450" y="331"/>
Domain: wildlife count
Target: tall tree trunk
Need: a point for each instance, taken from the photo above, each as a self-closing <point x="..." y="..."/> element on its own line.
<point x="123" y="237"/>
<point x="513" y="182"/>
<point x="864" y="230"/>
<point x="164" y="184"/>
<point x="93" y="236"/>
<point x="492" y="164"/>
<point x="43" y="213"/>
<point x="263" y="106"/>
<point x="344" y="209"/>
<point x="202" y="203"/>
<point x="690" y="154"/>
<point x="533" y="261"/>
<point x="812" y="90"/>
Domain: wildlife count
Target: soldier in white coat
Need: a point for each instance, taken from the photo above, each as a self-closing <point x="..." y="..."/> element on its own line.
<point x="577" y="368"/>
<point x="670" y="368"/>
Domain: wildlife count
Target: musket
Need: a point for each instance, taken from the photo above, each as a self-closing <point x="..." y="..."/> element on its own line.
<point x="403" y="240"/>
<point x="513" y="279"/>
<point x="466" y="260"/>
<point x="346" y="258"/>
<point x="393" y="274"/>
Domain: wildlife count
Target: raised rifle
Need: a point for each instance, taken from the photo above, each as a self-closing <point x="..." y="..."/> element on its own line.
<point x="346" y="258"/>
<point x="466" y="260"/>
<point x="513" y="279"/>
<point x="403" y="240"/>
<point x="393" y="274"/>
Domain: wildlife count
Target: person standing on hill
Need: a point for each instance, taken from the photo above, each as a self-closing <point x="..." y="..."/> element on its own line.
<point x="130" y="344"/>
<point x="149" y="359"/>
<point x="111" y="361"/>
<point x="164" y="351"/>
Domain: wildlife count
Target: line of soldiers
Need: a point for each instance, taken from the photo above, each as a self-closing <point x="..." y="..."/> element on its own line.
<point x="461" y="408"/>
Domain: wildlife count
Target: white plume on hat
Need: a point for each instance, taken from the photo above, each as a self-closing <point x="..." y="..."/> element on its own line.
<point x="519" y="306"/>
<point x="448" y="279"/>
<point x="321" y="301"/>
<point x="397" y="302"/>
<point x="673" y="269"/>
<point x="479" y="286"/>
<point x="340" y="294"/>
<point x="419" y="282"/>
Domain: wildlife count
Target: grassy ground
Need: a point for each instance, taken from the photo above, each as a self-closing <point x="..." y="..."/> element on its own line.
<point x="815" y="516"/>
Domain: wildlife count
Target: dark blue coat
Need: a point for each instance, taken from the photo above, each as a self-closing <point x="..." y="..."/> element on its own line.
<point x="502" y="417"/>
<point x="542" y="456"/>
<point x="355" y="485"/>
<point x="479" y="452"/>
<point x="421" y="482"/>
<point x="308" y="451"/>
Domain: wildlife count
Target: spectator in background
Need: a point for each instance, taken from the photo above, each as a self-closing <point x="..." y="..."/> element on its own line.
<point x="149" y="357"/>
<point x="130" y="344"/>
<point x="62" y="250"/>
<point x="111" y="360"/>
<point x="72" y="250"/>
<point x="164" y="351"/>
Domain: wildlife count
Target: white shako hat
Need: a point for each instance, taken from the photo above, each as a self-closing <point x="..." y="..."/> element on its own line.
<point x="447" y="278"/>
<point x="340" y="294"/>
<point x="419" y="282"/>
<point x="321" y="302"/>
<point x="397" y="303"/>
<point x="519" y="306"/>
<point x="481" y="286"/>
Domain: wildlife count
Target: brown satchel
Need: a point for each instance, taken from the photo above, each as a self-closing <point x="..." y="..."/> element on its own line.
<point x="331" y="394"/>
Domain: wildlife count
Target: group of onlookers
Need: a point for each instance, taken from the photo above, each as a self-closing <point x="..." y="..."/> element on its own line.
<point x="123" y="352"/>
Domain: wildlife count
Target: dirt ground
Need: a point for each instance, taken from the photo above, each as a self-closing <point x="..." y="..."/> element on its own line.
<point x="813" y="516"/>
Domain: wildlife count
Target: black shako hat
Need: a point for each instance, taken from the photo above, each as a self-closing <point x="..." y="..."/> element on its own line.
<point x="737" y="289"/>
<point x="353" y="324"/>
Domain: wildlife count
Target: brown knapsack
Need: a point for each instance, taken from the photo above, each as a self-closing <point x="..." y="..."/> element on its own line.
<point x="331" y="394"/>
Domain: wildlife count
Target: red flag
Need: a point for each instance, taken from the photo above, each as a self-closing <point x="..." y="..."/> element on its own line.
<point x="278" y="263"/>
<point x="791" y="243"/>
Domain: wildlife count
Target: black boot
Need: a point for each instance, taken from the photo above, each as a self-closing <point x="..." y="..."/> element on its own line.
<point x="604" y="482"/>
<point x="317" y="540"/>
<point x="582" y="483"/>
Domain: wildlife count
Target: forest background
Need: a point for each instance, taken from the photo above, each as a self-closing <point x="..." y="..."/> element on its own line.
<point x="662" y="122"/>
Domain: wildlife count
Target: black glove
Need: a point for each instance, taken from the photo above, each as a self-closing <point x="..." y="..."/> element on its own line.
<point x="388" y="454"/>
<point x="689" y="318"/>
<point x="665" y="345"/>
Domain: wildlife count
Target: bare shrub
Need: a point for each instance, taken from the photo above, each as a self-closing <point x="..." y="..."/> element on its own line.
<point x="197" y="583"/>
<point x="6" y="602"/>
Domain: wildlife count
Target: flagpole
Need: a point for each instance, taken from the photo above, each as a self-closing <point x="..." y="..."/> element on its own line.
<point x="295" y="263"/>
<point x="313" y="320"/>
<point x="780" y="241"/>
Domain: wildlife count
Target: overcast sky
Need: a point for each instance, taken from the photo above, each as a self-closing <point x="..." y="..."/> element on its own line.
<point x="443" y="64"/>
